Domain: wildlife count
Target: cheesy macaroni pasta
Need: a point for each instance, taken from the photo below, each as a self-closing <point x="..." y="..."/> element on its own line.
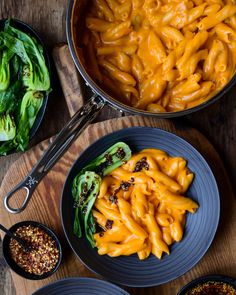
<point x="161" y="55"/>
<point x="141" y="205"/>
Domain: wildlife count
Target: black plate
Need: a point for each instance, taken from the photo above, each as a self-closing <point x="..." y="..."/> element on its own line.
<point x="205" y="279"/>
<point x="80" y="286"/>
<point x="29" y="30"/>
<point x="14" y="266"/>
<point x="200" y="227"/>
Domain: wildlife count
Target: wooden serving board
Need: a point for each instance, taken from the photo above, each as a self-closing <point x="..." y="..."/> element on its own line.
<point x="45" y="204"/>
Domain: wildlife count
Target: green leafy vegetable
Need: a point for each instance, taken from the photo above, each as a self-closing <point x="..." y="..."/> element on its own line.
<point x="30" y="106"/>
<point x="36" y="75"/>
<point x="7" y="127"/>
<point x="112" y="158"/>
<point x="5" y="57"/>
<point x="24" y="80"/>
<point x="10" y="98"/>
<point x="86" y="186"/>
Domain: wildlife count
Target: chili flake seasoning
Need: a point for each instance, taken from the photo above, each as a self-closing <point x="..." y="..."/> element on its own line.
<point x="213" y="288"/>
<point x="43" y="255"/>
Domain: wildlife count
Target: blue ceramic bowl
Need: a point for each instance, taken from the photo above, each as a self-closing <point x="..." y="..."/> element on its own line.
<point x="83" y="286"/>
<point x="200" y="227"/>
<point x="205" y="279"/>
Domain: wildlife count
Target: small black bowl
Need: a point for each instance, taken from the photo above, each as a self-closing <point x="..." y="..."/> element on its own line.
<point x="14" y="266"/>
<point x="18" y="24"/>
<point x="205" y="279"/>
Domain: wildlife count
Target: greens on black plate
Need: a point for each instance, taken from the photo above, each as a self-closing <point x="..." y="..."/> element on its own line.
<point x="86" y="186"/>
<point x="24" y="82"/>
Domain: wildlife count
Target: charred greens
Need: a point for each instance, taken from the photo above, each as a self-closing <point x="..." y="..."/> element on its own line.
<point x="112" y="158"/>
<point x="24" y="81"/>
<point x="86" y="186"/>
<point x="85" y="190"/>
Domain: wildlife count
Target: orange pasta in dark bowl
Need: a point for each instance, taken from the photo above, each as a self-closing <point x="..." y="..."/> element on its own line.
<point x="159" y="56"/>
<point x="124" y="213"/>
<point x="142" y="205"/>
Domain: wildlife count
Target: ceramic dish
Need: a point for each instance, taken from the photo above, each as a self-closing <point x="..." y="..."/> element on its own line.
<point x="200" y="227"/>
<point x="80" y="286"/>
<point x="205" y="279"/>
<point x="14" y="266"/>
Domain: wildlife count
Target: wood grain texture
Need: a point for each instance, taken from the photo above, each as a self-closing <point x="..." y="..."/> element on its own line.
<point x="70" y="79"/>
<point x="217" y="122"/>
<point x="44" y="206"/>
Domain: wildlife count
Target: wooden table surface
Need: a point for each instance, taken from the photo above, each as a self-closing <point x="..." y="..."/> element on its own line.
<point x="217" y="122"/>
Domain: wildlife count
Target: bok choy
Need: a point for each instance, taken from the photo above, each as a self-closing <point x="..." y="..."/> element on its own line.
<point x="86" y="186"/>
<point x="24" y="82"/>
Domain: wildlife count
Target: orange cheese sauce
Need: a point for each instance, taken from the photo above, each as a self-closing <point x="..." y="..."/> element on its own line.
<point x="160" y="56"/>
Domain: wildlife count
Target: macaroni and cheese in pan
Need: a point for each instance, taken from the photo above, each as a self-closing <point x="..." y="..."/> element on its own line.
<point x="161" y="55"/>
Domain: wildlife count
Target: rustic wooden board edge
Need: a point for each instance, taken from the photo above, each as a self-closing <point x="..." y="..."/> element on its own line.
<point x="97" y="130"/>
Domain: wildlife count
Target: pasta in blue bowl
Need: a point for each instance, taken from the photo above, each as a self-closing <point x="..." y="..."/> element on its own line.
<point x="130" y="270"/>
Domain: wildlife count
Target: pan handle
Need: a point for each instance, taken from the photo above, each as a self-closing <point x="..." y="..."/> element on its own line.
<point x="55" y="150"/>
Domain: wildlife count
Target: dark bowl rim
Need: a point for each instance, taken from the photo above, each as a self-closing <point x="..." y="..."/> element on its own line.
<point x="10" y="262"/>
<point x="29" y="29"/>
<point x="207" y="278"/>
<point x="117" y="104"/>
<point x="80" y="278"/>
<point x="82" y="154"/>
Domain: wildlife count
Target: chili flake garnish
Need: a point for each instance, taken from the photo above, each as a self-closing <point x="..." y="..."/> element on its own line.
<point x="210" y="288"/>
<point x="109" y="224"/>
<point x="141" y="164"/>
<point x="44" y="253"/>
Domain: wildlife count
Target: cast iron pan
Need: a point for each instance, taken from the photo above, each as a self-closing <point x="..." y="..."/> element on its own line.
<point x="200" y="227"/>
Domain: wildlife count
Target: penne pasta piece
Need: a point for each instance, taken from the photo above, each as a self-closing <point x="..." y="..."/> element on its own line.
<point x="150" y="91"/>
<point x="156" y="48"/>
<point x="143" y="254"/>
<point x="97" y="24"/>
<point x="187" y="70"/>
<point x="225" y="33"/>
<point x="211" y="21"/>
<point x="123" y="62"/>
<point x="108" y="50"/>
<point x="203" y="91"/>
<point x="104" y="9"/>
<point x="137" y="68"/>
<point x="222" y="60"/>
<point x="191" y="47"/>
<point x="114" y="249"/>
<point x="208" y="67"/>
<point x="130" y="223"/>
<point x="117" y="32"/>
<point x="212" y="9"/>
<point x="155" y="234"/>
<point x="196" y="12"/>
<point x="158" y="176"/>
<point x="172" y="33"/>
<point x="117" y="74"/>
